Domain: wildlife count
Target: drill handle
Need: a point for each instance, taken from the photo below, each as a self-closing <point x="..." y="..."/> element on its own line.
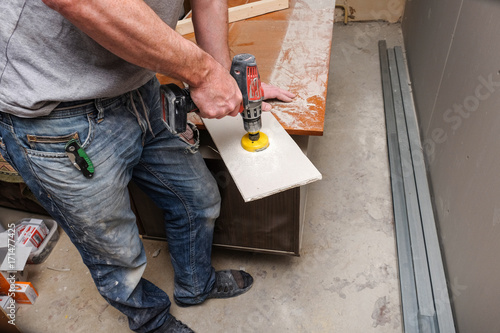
<point x="244" y="71"/>
<point x="177" y="102"/>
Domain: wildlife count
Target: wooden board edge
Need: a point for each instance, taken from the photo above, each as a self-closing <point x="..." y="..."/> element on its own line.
<point x="239" y="13"/>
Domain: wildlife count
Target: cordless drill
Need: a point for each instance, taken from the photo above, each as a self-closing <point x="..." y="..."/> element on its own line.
<point x="177" y="103"/>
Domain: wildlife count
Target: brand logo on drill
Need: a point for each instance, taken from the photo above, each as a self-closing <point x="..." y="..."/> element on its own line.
<point x="253" y="84"/>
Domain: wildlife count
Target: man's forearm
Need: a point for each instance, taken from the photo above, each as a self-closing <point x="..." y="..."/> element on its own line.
<point x="133" y="31"/>
<point x="210" y="22"/>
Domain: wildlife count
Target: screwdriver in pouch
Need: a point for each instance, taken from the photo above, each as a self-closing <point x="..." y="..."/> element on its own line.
<point x="79" y="158"/>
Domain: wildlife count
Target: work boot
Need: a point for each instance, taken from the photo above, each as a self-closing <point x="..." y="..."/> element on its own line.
<point x="172" y="325"/>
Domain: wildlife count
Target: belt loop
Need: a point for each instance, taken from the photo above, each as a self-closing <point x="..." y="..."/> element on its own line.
<point x="100" y="109"/>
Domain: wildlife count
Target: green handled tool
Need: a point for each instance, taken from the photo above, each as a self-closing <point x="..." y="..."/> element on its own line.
<point x="79" y="158"/>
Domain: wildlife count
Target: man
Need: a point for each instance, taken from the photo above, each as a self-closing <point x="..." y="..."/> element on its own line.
<point x="85" y="71"/>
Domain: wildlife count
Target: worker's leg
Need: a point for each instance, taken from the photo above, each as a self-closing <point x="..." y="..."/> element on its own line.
<point x="175" y="176"/>
<point x="95" y="213"/>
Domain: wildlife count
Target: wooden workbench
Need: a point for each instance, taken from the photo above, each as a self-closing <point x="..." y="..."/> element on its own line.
<point x="292" y="49"/>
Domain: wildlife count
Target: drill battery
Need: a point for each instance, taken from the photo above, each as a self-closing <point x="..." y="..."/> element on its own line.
<point x="176" y="104"/>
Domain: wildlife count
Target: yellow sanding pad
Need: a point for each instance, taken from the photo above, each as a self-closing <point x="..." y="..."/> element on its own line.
<point x="254" y="146"/>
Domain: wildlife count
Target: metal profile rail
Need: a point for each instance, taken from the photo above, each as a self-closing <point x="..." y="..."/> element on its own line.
<point x="406" y="274"/>
<point x="424" y="296"/>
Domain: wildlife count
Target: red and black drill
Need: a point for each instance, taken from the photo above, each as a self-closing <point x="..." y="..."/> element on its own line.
<point x="177" y="103"/>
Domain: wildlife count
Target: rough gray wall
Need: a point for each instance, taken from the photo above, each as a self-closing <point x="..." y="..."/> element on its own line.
<point x="453" y="52"/>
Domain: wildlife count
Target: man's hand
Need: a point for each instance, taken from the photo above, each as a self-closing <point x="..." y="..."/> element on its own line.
<point x="217" y="96"/>
<point x="272" y="92"/>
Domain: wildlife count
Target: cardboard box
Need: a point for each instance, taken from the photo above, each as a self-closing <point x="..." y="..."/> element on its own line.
<point x="5" y="281"/>
<point x="25" y="293"/>
<point x="24" y="223"/>
<point x="39" y="243"/>
<point x="8" y="279"/>
<point x="31" y="233"/>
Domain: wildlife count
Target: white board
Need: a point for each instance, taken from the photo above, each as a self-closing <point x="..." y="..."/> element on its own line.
<point x="280" y="167"/>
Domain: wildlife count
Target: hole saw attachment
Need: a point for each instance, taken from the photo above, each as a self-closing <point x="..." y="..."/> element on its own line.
<point x="177" y="103"/>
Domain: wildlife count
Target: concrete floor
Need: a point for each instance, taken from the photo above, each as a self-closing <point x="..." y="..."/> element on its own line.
<point x="346" y="278"/>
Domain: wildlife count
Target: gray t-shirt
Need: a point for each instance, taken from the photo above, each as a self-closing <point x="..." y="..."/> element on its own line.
<point x="45" y="60"/>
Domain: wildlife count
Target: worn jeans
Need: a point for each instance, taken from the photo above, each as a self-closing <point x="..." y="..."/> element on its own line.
<point x="125" y="138"/>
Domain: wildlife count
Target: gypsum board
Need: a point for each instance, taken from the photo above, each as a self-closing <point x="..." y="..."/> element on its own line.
<point x="426" y="311"/>
<point x="405" y="262"/>
<point x="280" y="167"/>
<point x="436" y="268"/>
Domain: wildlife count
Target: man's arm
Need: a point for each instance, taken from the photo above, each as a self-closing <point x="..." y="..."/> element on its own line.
<point x="212" y="34"/>
<point x="132" y="30"/>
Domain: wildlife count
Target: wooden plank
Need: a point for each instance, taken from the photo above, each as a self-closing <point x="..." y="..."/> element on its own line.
<point x="239" y="13"/>
<point x="280" y="167"/>
<point x="302" y="67"/>
<point x="257" y="8"/>
<point x="5" y="326"/>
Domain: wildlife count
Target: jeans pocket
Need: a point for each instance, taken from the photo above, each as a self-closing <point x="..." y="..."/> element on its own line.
<point x="43" y="141"/>
<point x="37" y="141"/>
<point x="48" y="137"/>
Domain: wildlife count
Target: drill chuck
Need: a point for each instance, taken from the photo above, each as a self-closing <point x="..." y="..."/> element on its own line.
<point x="252" y="119"/>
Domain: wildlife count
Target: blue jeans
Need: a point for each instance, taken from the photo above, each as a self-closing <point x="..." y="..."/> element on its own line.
<point x="125" y="138"/>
